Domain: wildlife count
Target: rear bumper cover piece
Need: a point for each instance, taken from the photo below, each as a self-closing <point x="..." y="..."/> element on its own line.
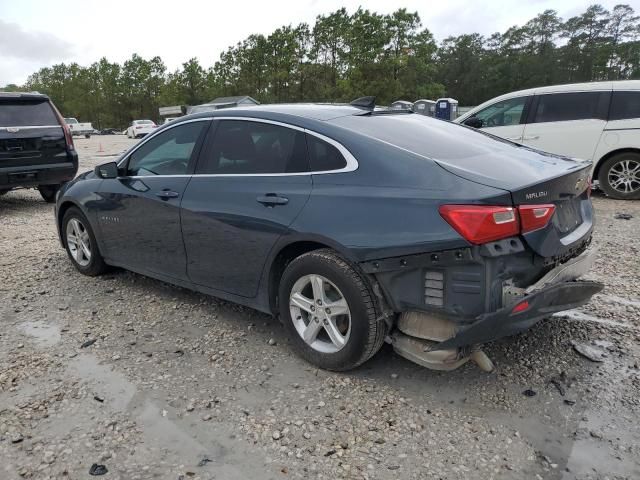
<point x="556" y="291"/>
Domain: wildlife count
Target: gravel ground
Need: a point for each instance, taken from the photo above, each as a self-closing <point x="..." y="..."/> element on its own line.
<point x="153" y="381"/>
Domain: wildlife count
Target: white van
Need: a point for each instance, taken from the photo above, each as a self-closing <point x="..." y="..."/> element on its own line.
<point x="597" y="121"/>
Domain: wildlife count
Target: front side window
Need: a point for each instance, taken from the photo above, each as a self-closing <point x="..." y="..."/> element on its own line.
<point x="168" y="153"/>
<point x="502" y="114"/>
<point x="625" y="105"/>
<point x="248" y="147"/>
<point x="562" y="107"/>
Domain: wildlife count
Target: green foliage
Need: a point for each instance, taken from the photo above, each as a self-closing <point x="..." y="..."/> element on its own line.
<point x="344" y="56"/>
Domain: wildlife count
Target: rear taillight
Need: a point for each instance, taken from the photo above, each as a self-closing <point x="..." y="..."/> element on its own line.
<point x="68" y="138"/>
<point x="535" y="217"/>
<point x="480" y="224"/>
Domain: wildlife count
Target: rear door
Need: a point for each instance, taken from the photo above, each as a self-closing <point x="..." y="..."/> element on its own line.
<point x="30" y="135"/>
<point x="139" y="215"/>
<point x="251" y="182"/>
<point x="505" y="118"/>
<point x="568" y="123"/>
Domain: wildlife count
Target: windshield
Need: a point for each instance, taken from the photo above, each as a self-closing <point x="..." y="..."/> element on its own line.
<point x="143" y="122"/>
<point x="70" y="121"/>
<point x="23" y="113"/>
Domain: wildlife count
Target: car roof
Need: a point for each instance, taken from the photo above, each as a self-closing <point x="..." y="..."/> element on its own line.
<point x="314" y="111"/>
<point x="24" y="95"/>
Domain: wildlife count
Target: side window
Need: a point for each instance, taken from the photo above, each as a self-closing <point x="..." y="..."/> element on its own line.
<point x="249" y="147"/>
<point x="562" y="107"/>
<point x="502" y="114"/>
<point x="168" y="153"/>
<point x="324" y="156"/>
<point x="625" y="105"/>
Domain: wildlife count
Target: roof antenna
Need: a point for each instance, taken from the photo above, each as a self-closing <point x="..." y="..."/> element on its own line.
<point x="365" y="102"/>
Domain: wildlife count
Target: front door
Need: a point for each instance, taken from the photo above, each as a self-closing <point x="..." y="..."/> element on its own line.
<point x="251" y="182"/>
<point x="139" y="215"/>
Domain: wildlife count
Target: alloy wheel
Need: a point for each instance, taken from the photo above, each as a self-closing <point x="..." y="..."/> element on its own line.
<point x="78" y="242"/>
<point x="624" y="176"/>
<point x="320" y="313"/>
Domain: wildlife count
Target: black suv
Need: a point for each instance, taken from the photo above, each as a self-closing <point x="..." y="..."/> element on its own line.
<point x="36" y="148"/>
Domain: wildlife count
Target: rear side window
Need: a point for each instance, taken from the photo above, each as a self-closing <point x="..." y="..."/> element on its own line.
<point x="324" y="156"/>
<point x="247" y="147"/>
<point x="625" y="105"/>
<point x="21" y="113"/>
<point x="562" y="107"/>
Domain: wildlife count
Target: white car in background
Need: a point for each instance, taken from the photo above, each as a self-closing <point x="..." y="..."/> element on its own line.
<point x="139" y="128"/>
<point x="597" y="121"/>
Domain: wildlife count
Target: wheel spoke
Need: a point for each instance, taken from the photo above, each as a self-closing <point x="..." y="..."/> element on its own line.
<point x="336" y="308"/>
<point x="85" y="250"/>
<point x="302" y="302"/>
<point x="334" y="334"/>
<point x="317" y="284"/>
<point x="311" y="331"/>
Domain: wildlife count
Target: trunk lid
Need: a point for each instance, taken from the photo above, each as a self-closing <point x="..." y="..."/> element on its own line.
<point x="30" y="133"/>
<point x="537" y="178"/>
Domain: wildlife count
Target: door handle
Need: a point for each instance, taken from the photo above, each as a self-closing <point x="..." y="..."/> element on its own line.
<point x="531" y="137"/>
<point x="272" y="199"/>
<point x="166" y="194"/>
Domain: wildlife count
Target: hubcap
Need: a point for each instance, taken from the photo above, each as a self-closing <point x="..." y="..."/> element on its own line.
<point x="624" y="176"/>
<point x="320" y="313"/>
<point x="78" y="242"/>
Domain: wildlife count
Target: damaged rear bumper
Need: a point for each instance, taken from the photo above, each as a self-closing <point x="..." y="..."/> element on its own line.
<point x="535" y="306"/>
<point x="556" y="291"/>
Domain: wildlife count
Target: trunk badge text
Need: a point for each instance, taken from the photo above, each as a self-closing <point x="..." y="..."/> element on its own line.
<point x="532" y="195"/>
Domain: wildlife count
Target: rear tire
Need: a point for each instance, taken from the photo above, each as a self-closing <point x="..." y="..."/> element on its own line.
<point x="48" y="192"/>
<point x="2" y="192"/>
<point x="360" y="332"/>
<point x="619" y="176"/>
<point x="80" y="243"/>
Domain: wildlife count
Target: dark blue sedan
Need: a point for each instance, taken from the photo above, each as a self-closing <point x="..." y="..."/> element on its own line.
<point x="354" y="225"/>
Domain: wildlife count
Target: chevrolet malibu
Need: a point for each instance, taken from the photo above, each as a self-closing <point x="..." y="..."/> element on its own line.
<point x="354" y="225"/>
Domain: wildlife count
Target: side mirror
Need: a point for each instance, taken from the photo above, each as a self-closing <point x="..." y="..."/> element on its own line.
<point x="107" y="170"/>
<point x="473" y="122"/>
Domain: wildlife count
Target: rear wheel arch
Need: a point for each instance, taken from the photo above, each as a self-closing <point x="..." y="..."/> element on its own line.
<point x="286" y="254"/>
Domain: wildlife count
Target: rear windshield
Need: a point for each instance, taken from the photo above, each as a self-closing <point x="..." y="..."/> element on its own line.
<point x="21" y="113"/>
<point x="423" y="135"/>
<point x="143" y="122"/>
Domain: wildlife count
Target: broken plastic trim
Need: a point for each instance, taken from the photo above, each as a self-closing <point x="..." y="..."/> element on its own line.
<point x="505" y="322"/>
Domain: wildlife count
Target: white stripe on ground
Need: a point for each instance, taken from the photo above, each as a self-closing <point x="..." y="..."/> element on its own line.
<point x="584" y="317"/>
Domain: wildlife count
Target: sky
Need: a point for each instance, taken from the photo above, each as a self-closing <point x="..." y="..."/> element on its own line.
<point x="40" y="33"/>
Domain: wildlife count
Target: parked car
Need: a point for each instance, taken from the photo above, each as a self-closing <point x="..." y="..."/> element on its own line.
<point x="109" y="131"/>
<point x="78" y="129"/>
<point x="140" y="128"/>
<point x="351" y="224"/>
<point x="36" y="147"/>
<point x="597" y="121"/>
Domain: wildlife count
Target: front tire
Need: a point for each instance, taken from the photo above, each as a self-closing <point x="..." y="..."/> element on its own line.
<point x="48" y="192"/>
<point x="80" y="243"/>
<point x="329" y="311"/>
<point x="619" y="176"/>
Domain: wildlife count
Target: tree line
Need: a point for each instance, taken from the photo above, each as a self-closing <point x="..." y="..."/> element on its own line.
<point x="343" y="56"/>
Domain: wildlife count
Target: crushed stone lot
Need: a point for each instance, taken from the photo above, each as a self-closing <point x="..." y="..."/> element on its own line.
<point x="154" y="381"/>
